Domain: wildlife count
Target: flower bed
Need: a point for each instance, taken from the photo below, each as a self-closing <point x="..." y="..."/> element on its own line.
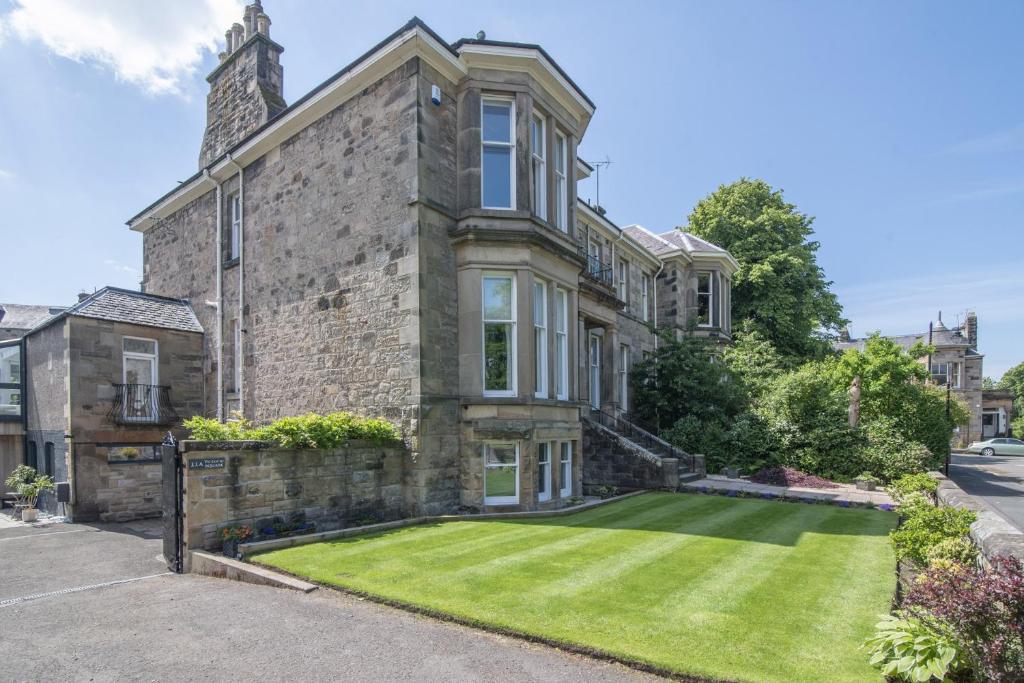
<point x="787" y="476"/>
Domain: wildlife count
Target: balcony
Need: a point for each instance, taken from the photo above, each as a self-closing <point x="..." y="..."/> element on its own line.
<point x="142" y="404"/>
<point x="597" y="270"/>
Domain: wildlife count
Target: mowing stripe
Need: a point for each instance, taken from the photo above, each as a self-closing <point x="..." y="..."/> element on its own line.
<point x="78" y="589"/>
<point x="687" y="533"/>
<point x="550" y="550"/>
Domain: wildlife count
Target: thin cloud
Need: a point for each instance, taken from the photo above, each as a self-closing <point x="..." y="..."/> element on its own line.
<point x="6" y="175"/>
<point x="999" y="189"/>
<point x="122" y="268"/>
<point x="157" y="46"/>
<point x="1009" y="140"/>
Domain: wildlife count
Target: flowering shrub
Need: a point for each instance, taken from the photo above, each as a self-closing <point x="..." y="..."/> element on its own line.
<point x="236" y="533"/>
<point x="925" y="526"/>
<point x="787" y="476"/>
<point x="910" y="485"/>
<point x="302" y="431"/>
<point x="984" y="609"/>
<point x="955" y="550"/>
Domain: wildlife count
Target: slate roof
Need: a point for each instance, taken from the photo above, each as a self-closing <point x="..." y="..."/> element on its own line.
<point x="674" y="240"/>
<point x="690" y="242"/>
<point x="137" y="308"/>
<point x="941" y="337"/>
<point x="25" y="317"/>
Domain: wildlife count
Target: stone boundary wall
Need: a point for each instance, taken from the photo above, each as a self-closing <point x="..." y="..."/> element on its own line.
<point x="991" y="533"/>
<point x="610" y="461"/>
<point x="251" y="483"/>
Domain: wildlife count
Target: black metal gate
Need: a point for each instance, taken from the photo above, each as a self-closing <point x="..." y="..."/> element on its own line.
<point x="173" y="491"/>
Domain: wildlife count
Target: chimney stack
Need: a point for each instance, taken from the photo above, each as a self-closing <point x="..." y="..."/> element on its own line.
<point x="82" y="296"/>
<point x="970" y="329"/>
<point x="246" y="88"/>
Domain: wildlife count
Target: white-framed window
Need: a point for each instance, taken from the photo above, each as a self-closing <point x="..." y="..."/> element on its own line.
<point x="623" y="284"/>
<point x="594" y="253"/>
<point x="645" y="297"/>
<point x="235" y="202"/>
<point x="705" y="287"/>
<point x="565" y="469"/>
<point x="544" y="471"/>
<point x="624" y="376"/>
<point x="954" y="375"/>
<point x="539" y="166"/>
<point x="540" y="338"/>
<point x="940" y="373"/>
<point x="140" y="374"/>
<point x="561" y="182"/>
<point x="595" y="371"/>
<point x="497" y="153"/>
<point x="561" y="344"/>
<point x="501" y="473"/>
<point x="499" y="334"/>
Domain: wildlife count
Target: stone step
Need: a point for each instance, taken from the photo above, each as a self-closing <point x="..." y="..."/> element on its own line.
<point x="685" y="477"/>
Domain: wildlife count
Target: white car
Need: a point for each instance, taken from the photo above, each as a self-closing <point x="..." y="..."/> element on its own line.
<point x="999" y="446"/>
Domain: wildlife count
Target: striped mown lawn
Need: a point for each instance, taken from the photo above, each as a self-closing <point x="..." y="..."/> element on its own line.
<point x="720" y="587"/>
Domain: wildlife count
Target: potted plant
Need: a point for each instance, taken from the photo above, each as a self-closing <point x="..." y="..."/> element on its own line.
<point x="231" y="536"/>
<point x="866" y="482"/>
<point x="27" y="484"/>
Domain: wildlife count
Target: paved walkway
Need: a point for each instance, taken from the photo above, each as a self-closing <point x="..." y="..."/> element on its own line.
<point x="844" y="494"/>
<point x="127" y="619"/>
<point x="997" y="481"/>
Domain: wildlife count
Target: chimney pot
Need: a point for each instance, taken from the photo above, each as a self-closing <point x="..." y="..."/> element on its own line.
<point x="263" y="24"/>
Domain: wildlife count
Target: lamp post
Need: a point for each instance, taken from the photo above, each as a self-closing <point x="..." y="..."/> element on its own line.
<point x="949" y="453"/>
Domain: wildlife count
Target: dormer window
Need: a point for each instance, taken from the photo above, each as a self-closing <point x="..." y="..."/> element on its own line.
<point x="539" y="167"/>
<point x="497" y="167"/>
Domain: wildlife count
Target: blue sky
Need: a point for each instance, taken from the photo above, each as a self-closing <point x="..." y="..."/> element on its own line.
<point x="899" y="126"/>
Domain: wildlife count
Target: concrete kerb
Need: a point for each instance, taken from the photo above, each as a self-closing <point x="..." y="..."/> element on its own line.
<point x="208" y="564"/>
<point x="246" y="549"/>
<point x="990" y="532"/>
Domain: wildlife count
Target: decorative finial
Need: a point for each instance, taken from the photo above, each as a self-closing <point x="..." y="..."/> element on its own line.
<point x="480" y="35"/>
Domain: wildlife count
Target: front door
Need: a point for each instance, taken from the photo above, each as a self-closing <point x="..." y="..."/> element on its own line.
<point x="595" y="371"/>
<point x="988" y="425"/>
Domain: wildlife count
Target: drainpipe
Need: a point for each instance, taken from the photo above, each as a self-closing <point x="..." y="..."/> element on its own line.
<point x="241" y="285"/>
<point x="218" y="257"/>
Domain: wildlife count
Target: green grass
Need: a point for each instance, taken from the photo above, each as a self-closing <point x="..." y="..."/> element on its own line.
<point x="720" y="587"/>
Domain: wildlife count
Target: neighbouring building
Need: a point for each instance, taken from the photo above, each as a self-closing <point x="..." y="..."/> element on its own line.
<point x="405" y="240"/>
<point x="104" y="381"/>
<point x="997" y="413"/>
<point x="18" y="319"/>
<point x="956" y="363"/>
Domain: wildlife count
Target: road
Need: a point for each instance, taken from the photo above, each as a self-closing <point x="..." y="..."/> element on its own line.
<point x="131" y="620"/>
<point x="996" y="480"/>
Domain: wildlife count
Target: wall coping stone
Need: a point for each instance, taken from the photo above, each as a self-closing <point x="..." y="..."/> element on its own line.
<point x="990" y="532"/>
<point x="246" y="549"/>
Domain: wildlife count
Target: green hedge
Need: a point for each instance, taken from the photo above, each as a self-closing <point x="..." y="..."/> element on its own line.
<point x="302" y="431"/>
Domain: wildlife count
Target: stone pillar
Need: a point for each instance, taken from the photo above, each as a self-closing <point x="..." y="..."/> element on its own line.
<point x="670" y="473"/>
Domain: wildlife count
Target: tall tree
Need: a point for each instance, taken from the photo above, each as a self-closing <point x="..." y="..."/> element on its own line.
<point x="1013" y="379"/>
<point x="779" y="287"/>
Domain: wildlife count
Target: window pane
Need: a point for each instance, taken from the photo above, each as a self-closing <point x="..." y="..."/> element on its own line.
<point x="501" y="454"/>
<point x="10" y="364"/>
<point x="537" y="137"/>
<point x="497" y="121"/>
<point x="497" y="178"/>
<point x="560" y="311"/>
<point x="140" y="346"/>
<point x="10" y="402"/>
<point x="500" y="482"/>
<point x="138" y="371"/>
<point x="560" y="155"/>
<point x="538" y="305"/>
<point x="497" y="298"/>
<point x="497" y="359"/>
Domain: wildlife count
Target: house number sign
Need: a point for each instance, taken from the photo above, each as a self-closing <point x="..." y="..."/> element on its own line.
<point x="206" y="463"/>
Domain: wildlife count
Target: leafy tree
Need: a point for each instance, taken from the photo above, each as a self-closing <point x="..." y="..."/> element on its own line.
<point x="754" y="360"/>
<point x="779" y="288"/>
<point x="893" y="388"/>
<point x="988" y="383"/>
<point x="1013" y="379"/>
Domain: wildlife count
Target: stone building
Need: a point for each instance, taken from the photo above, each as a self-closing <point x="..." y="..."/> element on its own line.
<point x="956" y="362"/>
<point x="405" y="240"/>
<point x="997" y="413"/>
<point x="104" y="381"/>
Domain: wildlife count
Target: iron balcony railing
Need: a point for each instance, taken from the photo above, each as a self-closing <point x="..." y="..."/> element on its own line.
<point x="596" y="270"/>
<point x="628" y="428"/>
<point x="146" y="404"/>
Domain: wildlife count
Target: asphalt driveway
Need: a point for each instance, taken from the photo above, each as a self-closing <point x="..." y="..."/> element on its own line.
<point x="125" y="618"/>
<point x="996" y="480"/>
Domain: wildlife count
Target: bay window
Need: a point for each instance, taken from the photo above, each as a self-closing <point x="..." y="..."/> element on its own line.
<point x="539" y="167"/>
<point x="704" y="293"/>
<point x="501" y="473"/>
<point x="540" y="338"/>
<point x="544" y="471"/>
<point x="499" y="335"/>
<point x="565" y="469"/>
<point x="561" y="183"/>
<point x="498" y="158"/>
<point x="561" y="344"/>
